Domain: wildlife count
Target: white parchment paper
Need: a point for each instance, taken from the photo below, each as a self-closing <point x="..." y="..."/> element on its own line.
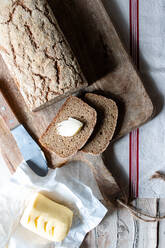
<point x="59" y="185"/>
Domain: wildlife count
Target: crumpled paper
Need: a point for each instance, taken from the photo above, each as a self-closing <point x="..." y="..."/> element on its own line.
<point x="59" y="185"/>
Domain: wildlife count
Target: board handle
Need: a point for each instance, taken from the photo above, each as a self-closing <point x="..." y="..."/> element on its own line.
<point x="7" y="113"/>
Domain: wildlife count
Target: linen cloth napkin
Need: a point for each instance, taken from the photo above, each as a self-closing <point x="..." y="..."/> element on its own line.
<point x="60" y="185"/>
<point x="150" y="16"/>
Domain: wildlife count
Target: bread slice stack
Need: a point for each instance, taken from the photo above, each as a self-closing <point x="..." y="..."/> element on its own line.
<point x="107" y="114"/>
<point x="99" y="117"/>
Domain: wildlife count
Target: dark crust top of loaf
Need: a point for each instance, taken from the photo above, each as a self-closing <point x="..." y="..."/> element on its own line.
<point x="67" y="146"/>
<point x="107" y="113"/>
<point x="37" y="53"/>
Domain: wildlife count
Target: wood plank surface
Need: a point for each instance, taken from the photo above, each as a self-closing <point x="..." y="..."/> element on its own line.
<point x="146" y="233"/>
<point x="161" y="224"/>
<point x="121" y="230"/>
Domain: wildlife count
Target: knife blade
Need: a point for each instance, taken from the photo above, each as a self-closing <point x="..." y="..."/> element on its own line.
<point x="30" y="150"/>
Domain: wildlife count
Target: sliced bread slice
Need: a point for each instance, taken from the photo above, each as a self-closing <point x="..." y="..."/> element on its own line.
<point x="107" y="114"/>
<point x="67" y="146"/>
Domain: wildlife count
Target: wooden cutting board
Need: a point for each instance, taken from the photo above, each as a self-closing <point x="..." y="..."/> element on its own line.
<point x="108" y="69"/>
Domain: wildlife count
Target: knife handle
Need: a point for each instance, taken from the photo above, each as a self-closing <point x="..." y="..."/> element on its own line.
<point x="7" y="113"/>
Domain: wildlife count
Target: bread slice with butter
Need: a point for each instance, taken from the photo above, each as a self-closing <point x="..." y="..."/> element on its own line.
<point x="65" y="146"/>
<point x="107" y="113"/>
<point x="47" y="218"/>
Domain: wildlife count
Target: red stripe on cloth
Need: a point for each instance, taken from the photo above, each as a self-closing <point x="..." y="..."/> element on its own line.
<point x="134" y="163"/>
<point x="134" y="135"/>
<point x="137" y="43"/>
<point x="137" y="172"/>
<point x="130" y="25"/>
<point x="130" y="164"/>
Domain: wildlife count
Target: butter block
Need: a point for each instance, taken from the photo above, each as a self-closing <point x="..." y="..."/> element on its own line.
<point x="47" y="218"/>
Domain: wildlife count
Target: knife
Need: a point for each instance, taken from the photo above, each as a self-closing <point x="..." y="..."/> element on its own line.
<point x="30" y="150"/>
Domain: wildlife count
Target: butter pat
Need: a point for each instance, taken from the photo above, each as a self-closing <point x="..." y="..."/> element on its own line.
<point x="69" y="127"/>
<point x="46" y="218"/>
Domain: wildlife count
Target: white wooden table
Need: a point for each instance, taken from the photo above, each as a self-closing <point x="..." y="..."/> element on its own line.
<point x="127" y="232"/>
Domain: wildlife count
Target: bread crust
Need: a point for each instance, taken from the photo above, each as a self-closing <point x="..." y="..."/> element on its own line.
<point x="37" y="53"/>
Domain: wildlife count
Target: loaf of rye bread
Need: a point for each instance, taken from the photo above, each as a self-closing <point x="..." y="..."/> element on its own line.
<point x="107" y="114"/>
<point x="36" y="52"/>
<point x="67" y="146"/>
